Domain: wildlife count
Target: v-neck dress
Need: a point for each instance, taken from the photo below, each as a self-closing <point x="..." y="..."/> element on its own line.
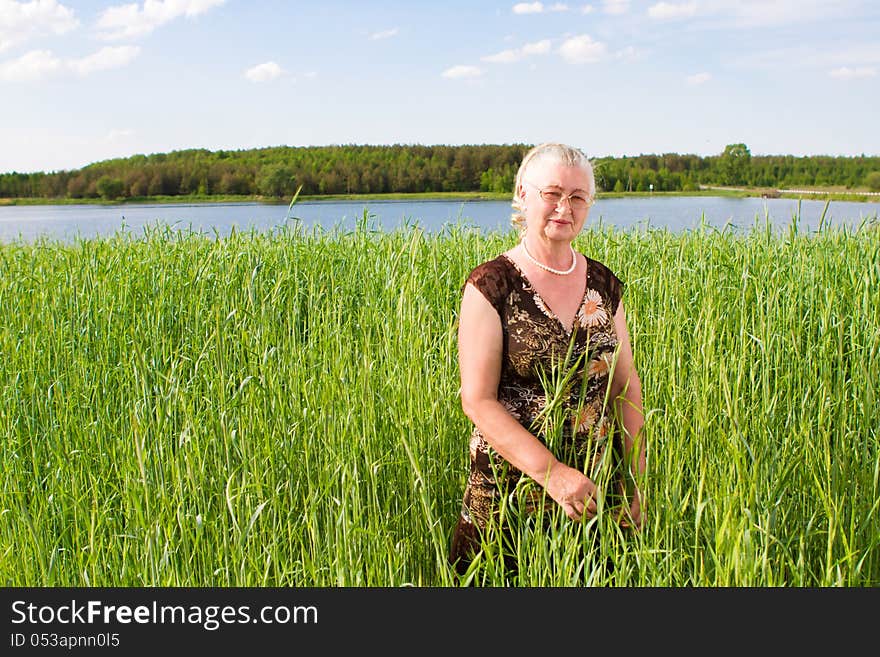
<point x="554" y="382"/>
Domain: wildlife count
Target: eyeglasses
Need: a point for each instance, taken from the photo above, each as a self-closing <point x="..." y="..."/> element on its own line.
<point x="577" y="201"/>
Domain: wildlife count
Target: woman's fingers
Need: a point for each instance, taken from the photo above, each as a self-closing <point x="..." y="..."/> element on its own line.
<point x="591" y="506"/>
<point x="578" y="508"/>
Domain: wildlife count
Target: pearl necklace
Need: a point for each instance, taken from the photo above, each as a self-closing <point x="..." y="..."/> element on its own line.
<point x="558" y="272"/>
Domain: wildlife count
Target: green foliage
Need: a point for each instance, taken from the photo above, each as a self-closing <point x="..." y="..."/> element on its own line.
<point x="734" y="164"/>
<point x="872" y="180"/>
<point x="408" y="169"/>
<point x="276" y="180"/>
<point x="109" y="188"/>
<point x="500" y="182"/>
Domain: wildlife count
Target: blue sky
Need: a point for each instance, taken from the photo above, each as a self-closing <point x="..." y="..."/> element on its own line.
<point x="91" y="80"/>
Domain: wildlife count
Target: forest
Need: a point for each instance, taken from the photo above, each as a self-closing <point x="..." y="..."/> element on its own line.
<point x="278" y="172"/>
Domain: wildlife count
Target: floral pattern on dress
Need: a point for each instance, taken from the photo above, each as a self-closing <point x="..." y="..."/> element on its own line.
<point x="591" y="312"/>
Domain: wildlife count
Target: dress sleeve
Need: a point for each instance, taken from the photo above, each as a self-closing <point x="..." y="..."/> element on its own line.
<point x="491" y="280"/>
<point x="608" y="284"/>
<point x="615" y="291"/>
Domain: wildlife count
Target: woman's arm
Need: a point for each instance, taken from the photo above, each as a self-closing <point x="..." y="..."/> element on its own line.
<point x="480" y="348"/>
<point x="626" y="393"/>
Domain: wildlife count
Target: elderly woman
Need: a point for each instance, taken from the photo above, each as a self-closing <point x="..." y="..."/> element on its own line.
<point x="545" y="360"/>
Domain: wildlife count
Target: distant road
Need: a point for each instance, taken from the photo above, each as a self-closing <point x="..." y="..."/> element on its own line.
<point x="813" y="191"/>
<point x="789" y="191"/>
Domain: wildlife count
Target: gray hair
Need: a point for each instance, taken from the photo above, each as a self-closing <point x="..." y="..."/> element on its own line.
<point x="559" y="153"/>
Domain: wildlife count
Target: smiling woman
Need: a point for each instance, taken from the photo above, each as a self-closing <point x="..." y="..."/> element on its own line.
<point x="547" y="372"/>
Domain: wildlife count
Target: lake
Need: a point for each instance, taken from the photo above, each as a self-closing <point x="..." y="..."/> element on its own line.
<point x="675" y="213"/>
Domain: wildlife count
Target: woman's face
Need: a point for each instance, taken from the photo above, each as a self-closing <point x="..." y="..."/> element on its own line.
<point x="544" y="217"/>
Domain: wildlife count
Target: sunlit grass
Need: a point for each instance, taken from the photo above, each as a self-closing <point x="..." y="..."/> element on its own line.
<point x="281" y="409"/>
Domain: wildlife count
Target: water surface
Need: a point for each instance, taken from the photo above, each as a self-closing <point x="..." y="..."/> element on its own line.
<point x="675" y="213"/>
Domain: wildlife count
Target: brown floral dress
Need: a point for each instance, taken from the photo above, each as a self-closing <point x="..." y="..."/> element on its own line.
<point x="553" y="382"/>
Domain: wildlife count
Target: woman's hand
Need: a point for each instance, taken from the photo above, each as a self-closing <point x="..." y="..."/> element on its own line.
<point x="572" y="490"/>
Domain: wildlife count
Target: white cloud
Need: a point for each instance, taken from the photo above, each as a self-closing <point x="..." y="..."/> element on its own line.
<point x="504" y="57"/>
<point x="516" y="54"/>
<point x="698" y="78"/>
<point x="528" y="8"/>
<point x="21" y="21"/>
<point x="462" y="71"/>
<point x="104" y="60"/>
<point x="587" y="9"/>
<point x="34" y="65"/>
<point x="616" y="6"/>
<point x="582" y="50"/>
<point x="310" y="75"/>
<point x="846" y="73"/>
<point x="132" y="20"/>
<point x="264" y="72"/>
<point x="668" y="10"/>
<point x="538" y="7"/>
<point x="39" y="64"/>
<point x="384" y="34"/>
<point x="119" y="134"/>
<point x="537" y="48"/>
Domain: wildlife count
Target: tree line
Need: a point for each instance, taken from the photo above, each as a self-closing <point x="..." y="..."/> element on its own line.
<point x="361" y="169"/>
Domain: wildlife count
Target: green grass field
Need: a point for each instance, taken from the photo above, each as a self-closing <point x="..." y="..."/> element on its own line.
<point x="281" y="409"/>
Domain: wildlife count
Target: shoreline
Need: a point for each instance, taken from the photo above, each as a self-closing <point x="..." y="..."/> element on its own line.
<point x="807" y="194"/>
